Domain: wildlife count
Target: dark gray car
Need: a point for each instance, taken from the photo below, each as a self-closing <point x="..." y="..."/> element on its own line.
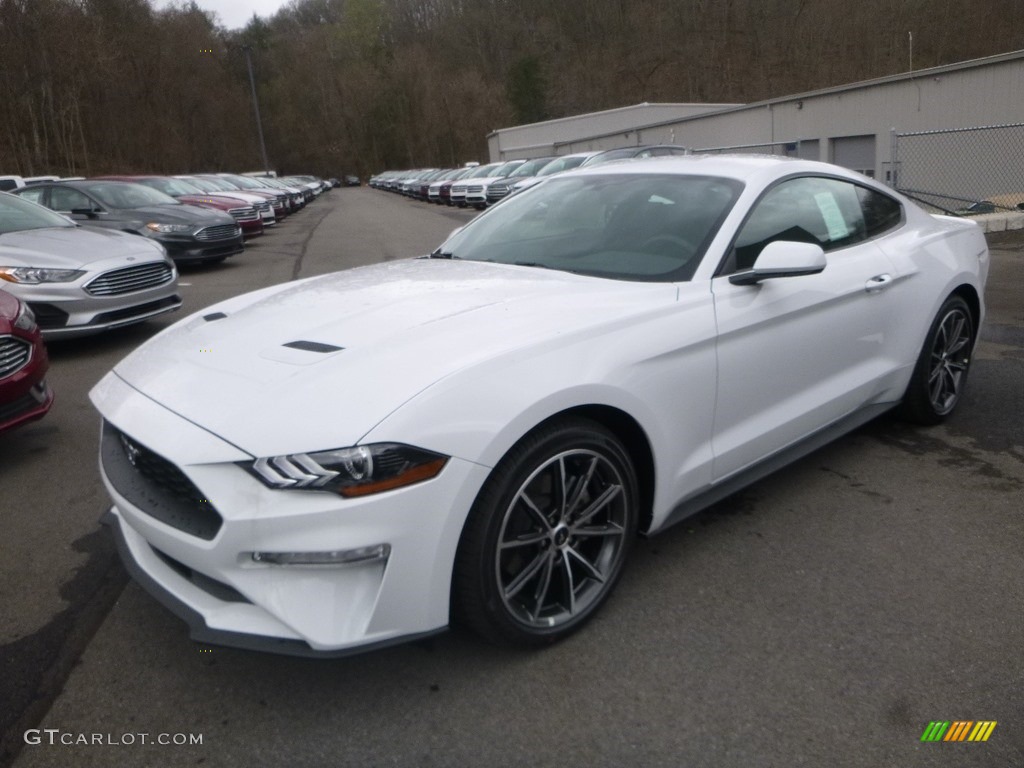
<point x="188" y="233"/>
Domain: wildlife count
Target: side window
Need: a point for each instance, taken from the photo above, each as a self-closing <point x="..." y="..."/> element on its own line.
<point x="826" y="212"/>
<point x="881" y="212"/>
<point x="34" y="194"/>
<point x="67" y="199"/>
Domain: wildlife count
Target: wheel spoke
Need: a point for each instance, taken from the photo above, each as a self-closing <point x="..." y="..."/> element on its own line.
<point x="588" y="567"/>
<point x="525" y="540"/>
<point x="580" y="488"/>
<point x="608" y="529"/>
<point x="545" y="583"/>
<point x="598" y="504"/>
<point x="570" y="584"/>
<point x="520" y="581"/>
<point x="535" y="510"/>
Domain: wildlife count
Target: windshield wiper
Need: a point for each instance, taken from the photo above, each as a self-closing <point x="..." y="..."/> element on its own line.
<point x="533" y="264"/>
<point x="439" y="254"/>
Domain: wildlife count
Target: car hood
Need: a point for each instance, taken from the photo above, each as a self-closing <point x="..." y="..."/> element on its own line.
<point x="179" y="214"/>
<point x="72" y="247"/>
<point x="317" y="364"/>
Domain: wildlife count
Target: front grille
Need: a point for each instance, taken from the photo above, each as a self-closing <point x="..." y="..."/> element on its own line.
<point x="130" y="279"/>
<point x="476" y="189"/>
<point x="156" y="486"/>
<point x="243" y="214"/>
<point x="219" y="232"/>
<point x="264" y="207"/>
<point x="14" y="355"/>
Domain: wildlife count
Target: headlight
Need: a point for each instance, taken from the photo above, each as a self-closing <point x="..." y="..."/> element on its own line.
<point x="36" y="275"/>
<point x="358" y="471"/>
<point x="26" y="319"/>
<point x="167" y="229"/>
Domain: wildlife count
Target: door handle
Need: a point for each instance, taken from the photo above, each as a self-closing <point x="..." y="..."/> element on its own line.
<point x="878" y="283"/>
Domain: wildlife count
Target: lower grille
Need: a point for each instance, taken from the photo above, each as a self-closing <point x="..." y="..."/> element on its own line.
<point x="156" y="486"/>
<point x="138" y="277"/>
<point x="14" y="355"/>
<point x="219" y="232"/>
<point x="49" y="316"/>
<point x="15" y="408"/>
<point x="139" y="309"/>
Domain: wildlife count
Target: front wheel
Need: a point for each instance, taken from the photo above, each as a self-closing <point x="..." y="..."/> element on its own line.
<point x="547" y="538"/>
<point x="940" y="374"/>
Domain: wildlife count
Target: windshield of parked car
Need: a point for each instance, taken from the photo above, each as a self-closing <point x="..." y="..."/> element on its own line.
<point x="122" y="194"/>
<point x="17" y="215"/>
<point x="607" y="157"/>
<point x="530" y="167"/>
<point x="645" y="227"/>
<point x="220" y="185"/>
<point x="561" y="164"/>
<point x="172" y="187"/>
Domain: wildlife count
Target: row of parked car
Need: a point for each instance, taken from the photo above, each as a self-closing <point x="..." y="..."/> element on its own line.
<point x="81" y="256"/>
<point x="478" y="186"/>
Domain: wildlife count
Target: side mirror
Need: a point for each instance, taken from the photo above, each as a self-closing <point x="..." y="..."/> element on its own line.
<point x="782" y="259"/>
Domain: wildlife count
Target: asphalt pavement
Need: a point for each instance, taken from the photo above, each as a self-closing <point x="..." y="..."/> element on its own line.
<point x="822" y="617"/>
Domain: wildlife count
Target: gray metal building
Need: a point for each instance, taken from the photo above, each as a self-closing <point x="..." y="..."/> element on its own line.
<point x="852" y="125"/>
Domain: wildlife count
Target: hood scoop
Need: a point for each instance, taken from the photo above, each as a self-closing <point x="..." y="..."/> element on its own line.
<point x="313" y="346"/>
<point x="301" y="352"/>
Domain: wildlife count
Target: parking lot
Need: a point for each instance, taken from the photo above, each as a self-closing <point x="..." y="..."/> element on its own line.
<point x="822" y="617"/>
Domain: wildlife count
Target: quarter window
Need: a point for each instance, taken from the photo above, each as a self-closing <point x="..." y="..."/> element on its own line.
<point x="67" y="199"/>
<point x="881" y="212"/>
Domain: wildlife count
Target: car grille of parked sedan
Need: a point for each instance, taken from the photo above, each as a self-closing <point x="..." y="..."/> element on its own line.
<point x="155" y="485"/>
<point x="263" y="207"/>
<point x="14" y="355"/>
<point x="243" y="214"/>
<point x="476" y="189"/>
<point x="219" y="232"/>
<point x="130" y="279"/>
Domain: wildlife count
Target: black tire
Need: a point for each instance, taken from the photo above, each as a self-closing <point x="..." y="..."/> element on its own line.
<point x="940" y="374"/>
<point x="535" y="562"/>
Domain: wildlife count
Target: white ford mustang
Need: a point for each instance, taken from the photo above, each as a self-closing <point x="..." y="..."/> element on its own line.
<point x="354" y="459"/>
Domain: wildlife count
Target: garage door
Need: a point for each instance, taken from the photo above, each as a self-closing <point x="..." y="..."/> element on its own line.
<point x="855" y="152"/>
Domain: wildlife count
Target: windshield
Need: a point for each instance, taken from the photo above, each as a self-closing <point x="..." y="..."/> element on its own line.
<point x="530" y="167"/>
<point x="17" y="215"/>
<point x="172" y="187"/>
<point x="611" y="154"/>
<point x="628" y="227"/>
<point x="561" y="164"/>
<point x="125" y="195"/>
<point x="220" y="185"/>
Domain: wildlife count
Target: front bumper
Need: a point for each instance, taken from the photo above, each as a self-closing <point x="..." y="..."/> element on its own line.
<point x="209" y="577"/>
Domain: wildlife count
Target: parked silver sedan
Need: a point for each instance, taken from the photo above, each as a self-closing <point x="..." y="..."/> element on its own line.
<point x="81" y="280"/>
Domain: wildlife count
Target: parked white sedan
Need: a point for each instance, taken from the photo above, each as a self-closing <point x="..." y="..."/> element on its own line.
<point x="351" y="460"/>
<point x="81" y="280"/>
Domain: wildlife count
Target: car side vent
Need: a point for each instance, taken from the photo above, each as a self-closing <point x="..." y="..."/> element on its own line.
<point x="313" y="346"/>
<point x="214" y="316"/>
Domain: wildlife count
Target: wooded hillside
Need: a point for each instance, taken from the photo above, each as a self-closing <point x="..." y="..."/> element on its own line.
<point x="354" y="86"/>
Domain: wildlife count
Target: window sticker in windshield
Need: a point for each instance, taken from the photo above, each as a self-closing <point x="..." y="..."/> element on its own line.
<point x="834" y="220"/>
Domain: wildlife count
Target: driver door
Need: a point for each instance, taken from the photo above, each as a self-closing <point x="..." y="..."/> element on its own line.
<point x="798" y="353"/>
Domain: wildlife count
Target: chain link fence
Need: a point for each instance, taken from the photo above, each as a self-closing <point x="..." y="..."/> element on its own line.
<point x="966" y="171"/>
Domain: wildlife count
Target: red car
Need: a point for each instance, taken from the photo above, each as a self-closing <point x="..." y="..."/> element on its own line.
<point x="24" y="395"/>
<point x="244" y="213"/>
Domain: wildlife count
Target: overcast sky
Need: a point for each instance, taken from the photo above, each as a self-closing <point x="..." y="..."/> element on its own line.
<point x="233" y="13"/>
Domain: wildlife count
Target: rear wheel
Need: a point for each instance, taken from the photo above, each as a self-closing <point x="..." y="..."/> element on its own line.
<point x="940" y="374"/>
<point x="547" y="538"/>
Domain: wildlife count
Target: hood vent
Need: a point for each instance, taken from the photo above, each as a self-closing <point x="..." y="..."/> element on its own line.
<point x="313" y="346"/>
<point x="214" y="316"/>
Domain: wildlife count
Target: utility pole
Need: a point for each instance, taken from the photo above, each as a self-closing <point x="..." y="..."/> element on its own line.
<point x="256" y="107"/>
